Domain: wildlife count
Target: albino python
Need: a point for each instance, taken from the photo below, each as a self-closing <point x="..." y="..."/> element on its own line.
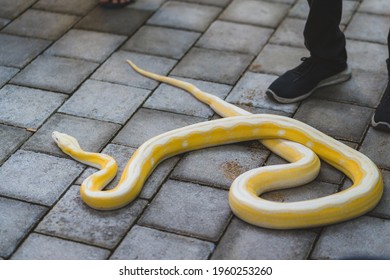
<point x="244" y="195"/>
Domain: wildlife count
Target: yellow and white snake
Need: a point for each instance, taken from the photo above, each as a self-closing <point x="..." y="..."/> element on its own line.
<point x="293" y="140"/>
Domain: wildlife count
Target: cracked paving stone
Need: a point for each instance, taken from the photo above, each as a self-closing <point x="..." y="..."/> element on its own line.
<point x="11" y="139"/>
<point x="206" y="65"/>
<point x="172" y="99"/>
<point x="250" y="91"/>
<point x="88" y="45"/>
<point x="92" y="98"/>
<point x="185" y="16"/>
<point x="122" y="154"/>
<point x="44" y="72"/>
<point x="31" y="22"/>
<point x="36" y="177"/>
<point x="26" y="107"/>
<point x="161" y="41"/>
<point x="16" y="220"/>
<point x="18" y="51"/>
<point x="42" y="247"/>
<point x="117" y="70"/>
<point x="244" y="241"/>
<point x="143" y="243"/>
<point x="70" y="218"/>
<point x="219" y="166"/>
<point x="92" y="135"/>
<point x="355" y="239"/>
<point x="177" y="203"/>
<point x="146" y="124"/>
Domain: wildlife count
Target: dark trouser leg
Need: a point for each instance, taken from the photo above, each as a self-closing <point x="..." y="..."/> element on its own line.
<point x="323" y="37"/>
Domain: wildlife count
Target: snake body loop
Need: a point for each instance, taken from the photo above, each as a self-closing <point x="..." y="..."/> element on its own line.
<point x="276" y="132"/>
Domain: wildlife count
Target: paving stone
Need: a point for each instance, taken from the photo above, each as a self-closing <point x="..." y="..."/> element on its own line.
<point x="146" y="124"/>
<point x="18" y="51"/>
<point x="244" y="241"/>
<point x="177" y="203"/>
<point x="362" y="238"/>
<point x="16" y="219"/>
<point x="88" y="45"/>
<point x="67" y="7"/>
<point x="116" y="69"/>
<point x="149" y="5"/>
<point x="250" y="91"/>
<point x="11" y="139"/>
<point x="276" y="59"/>
<point x="172" y="99"/>
<point x="255" y="12"/>
<point x="161" y="41"/>
<point x="122" y="154"/>
<point x="92" y="135"/>
<point x="143" y="243"/>
<point x="327" y="173"/>
<point x="290" y="33"/>
<point x="219" y="166"/>
<point x="26" y="107"/>
<point x="44" y="72"/>
<point x="301" y="10"/>
<point x="358" y="30"/>
<point x="31" y="22"/>
<point x="219" y="3"/>
<point x="236" y="37"/>
<point x="376" y="145"/>
<point x="3" y="22"/>
<point x="11" y="8"/>
<point x="364" y="88"/>
<point x="41" y="247"/>
<point x="308" y="191"/>
<point x="367" y="56"/>
<point x="381" y="7"/>
<point x="70" y="218"/>
<point x="383" y="208"/>
<point x="36" y="177"/>
<point x="212" y="65"/>
<point x="6" y="73"/>
<point x="115" y="21"/>
<point x="105" y="101"/>
<point x="185" y="16"/>
<point x="343" y="121"/>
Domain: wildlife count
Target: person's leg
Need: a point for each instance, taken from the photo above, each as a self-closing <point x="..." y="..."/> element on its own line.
<point x="323" y="37"/>
<point x="327" y="62"/>
<point x="114" y="3"/>
<point x="381" y="118"/>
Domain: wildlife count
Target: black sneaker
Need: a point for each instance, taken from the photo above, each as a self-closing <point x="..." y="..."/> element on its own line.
<point x="381" y="118"/>
<point x="300" y="82"/>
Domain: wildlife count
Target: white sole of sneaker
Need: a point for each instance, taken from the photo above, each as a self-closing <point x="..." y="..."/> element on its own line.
<point x="380" y="125"/>
<point x="343" y="76"/>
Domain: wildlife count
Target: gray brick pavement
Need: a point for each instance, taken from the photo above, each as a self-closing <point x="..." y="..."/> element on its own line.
<point x="72" y="76"/>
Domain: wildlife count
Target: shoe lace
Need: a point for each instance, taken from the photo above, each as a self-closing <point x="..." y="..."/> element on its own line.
<point x="306" y="64"/>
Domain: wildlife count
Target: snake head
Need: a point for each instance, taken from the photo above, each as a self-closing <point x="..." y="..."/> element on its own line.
<point x="65" y="142"/>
